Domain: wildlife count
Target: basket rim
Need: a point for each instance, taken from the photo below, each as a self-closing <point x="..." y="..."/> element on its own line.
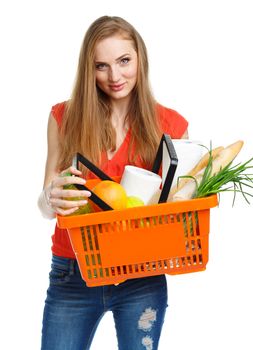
<point x="195" y="204"/>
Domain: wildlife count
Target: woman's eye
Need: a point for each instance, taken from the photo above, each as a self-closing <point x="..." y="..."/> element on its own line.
<point x="101" y="66"/>
<point x="125" y="60"/>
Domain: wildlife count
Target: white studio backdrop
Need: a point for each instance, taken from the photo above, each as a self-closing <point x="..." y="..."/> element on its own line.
<point x="201" y="65"/>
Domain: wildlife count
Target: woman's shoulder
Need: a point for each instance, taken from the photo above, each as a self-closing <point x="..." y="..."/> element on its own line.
<point x="166" y="112"/>
<point x="171" y="121"/>
<point x="57" y="111"/>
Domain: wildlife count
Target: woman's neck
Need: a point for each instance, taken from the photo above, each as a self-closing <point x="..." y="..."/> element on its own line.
<point x="118" y="120"/>
<point x="119" y="111"/>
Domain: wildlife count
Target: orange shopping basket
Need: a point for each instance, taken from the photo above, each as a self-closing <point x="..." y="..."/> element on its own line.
<point x="115" y="245"/>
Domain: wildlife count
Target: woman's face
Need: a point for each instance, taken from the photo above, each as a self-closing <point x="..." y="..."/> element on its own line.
<point x="116" y="67"/>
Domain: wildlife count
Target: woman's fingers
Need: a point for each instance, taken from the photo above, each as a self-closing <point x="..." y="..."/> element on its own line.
<point x="66" y="204"/>
<point x="71" y="170"/>
<point x="72" y="193"/>
<point x="61" y="181"/>
<point x="61" y="199"/>
<point x="59" y="192"/>
<point x="64" y="212"/>
<point x="66" y="201"/>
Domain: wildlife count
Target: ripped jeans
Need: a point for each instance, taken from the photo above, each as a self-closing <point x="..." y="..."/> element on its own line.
<point x="72" y="310"/>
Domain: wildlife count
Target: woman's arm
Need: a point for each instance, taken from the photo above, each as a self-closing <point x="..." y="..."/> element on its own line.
<point x="185" y="135"/>
<point x="52" y="150"/>
<point x="52" y="199"/>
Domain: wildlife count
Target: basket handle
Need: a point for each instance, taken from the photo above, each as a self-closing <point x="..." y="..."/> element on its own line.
<point x="103" y="176"/>
<point x="167" y="145"/>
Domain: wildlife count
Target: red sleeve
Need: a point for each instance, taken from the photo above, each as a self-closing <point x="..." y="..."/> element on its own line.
<point x="172" y="122"/>
<point x="57" y="112"/>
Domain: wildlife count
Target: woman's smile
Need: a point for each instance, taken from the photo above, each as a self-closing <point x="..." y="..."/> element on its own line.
<point x="117" y="87"/>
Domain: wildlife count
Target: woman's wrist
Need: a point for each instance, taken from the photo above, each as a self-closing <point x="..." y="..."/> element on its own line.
<point x="44" y="204"/>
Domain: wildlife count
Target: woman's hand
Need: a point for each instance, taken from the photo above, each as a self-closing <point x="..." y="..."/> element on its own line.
<point x="66" y="201"/>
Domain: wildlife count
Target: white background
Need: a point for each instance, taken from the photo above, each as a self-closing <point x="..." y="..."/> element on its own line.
<point x="201" y="65"/>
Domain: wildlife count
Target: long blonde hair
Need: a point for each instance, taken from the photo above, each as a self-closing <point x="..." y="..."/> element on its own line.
<point x="86" y="125"/>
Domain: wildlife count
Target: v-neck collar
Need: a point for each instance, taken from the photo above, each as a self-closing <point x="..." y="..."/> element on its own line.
<point x="118" y="153"/>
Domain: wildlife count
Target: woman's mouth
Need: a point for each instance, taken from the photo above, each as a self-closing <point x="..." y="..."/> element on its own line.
<point x="117" y="87"/>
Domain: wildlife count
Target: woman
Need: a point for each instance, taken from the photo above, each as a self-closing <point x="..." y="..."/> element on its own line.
<point x="112" y="119"/>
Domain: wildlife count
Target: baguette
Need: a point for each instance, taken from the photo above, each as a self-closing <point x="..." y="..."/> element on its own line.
<point x="226" y="156"/>
<point x="199" y="166"/>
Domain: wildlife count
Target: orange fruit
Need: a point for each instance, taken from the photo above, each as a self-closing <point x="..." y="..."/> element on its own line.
<point x="112" y="193"/>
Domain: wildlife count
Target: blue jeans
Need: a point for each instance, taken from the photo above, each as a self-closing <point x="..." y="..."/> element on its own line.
<point x="72" y="310"/>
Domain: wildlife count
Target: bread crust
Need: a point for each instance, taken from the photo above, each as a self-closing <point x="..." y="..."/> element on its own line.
<point x="223" y="157"/>
<point x="199" y="166"/>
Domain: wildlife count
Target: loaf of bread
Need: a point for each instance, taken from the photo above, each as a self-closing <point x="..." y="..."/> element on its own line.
<point x="199" y="166"/>
<point x="222" y="159"/>
<point x="226" y="156"/>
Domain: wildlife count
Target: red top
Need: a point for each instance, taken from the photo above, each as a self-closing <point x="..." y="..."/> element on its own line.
<point x="172" y="123"/>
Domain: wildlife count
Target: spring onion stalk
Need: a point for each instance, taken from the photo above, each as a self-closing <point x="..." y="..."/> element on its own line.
<point x="231" y="178"/>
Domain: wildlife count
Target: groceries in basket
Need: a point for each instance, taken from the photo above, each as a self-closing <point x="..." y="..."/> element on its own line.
<point x="112" y="193"/>
<point x="133" y="201"/>
<point x="189" y="152"/>
<point x="137" y="186"/>
<point x="215" y="173"/>
<point x="186" y="175"/>
<point x="141" y="183"/>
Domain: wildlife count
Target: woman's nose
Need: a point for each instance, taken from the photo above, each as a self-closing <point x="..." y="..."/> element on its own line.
<point x="114" y="74"/>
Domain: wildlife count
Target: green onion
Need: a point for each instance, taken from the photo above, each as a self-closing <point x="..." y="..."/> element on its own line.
<point x="231" y="178"/>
